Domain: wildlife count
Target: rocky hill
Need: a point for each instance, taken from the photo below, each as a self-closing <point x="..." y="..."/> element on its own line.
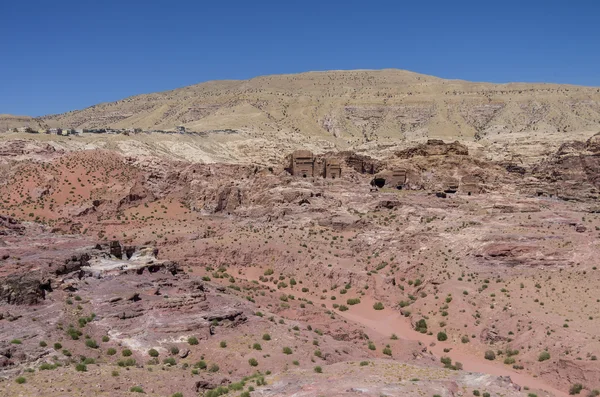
<point x="352" y="107"/>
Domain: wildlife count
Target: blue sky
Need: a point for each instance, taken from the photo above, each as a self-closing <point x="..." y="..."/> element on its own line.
<point x="62" y="55"/>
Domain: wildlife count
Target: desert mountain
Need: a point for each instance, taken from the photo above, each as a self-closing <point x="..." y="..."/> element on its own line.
<point x="339" y="110"/>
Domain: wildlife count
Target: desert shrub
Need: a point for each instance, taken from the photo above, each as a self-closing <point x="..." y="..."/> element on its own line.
<point x="421" y="326"/>
<point x="486" y="394"/>
<point x="489" y="355"/>
<point x="57" y="346"/>
<point x="170" y="360"/>
<point x="223" y="344"/>
<point x="105" y="339"/>
<point x="253" y="362"/>
<point x="268" y="272"/>
<point x="214" y="368"/>
<point x="575" y="388"/>
<point x="476" y="393"/>
<point x="387" y="351"/>
<point x="257" y="346"/>
<point x="353" y="301"/>
<point x="20" y="380"/>
<point x="91" y="343"/>
<point x="378" y="306"/>
<point x="174" y="350"/>
<point x="153" y="353"/>
<point x="192" y="340"/>
<point x="447" y="361"/>
<point x="364" y="363"/>
<point x="200" y="364"/>
<point x="43" y="344"/>
<point x="544" y="356"/>
<point x="126" y="353"/>
<point x="81" y="367"/>
<point x="111" y="351"/>
<point x="16" y="341"/>
<point x="177" y="395"/>
<point x="509" y="360"/>
<point x="136" y="389"/>
<point x="318" y="369"/>
<point x="441" y="336"/>
<point x="287" y="350"/>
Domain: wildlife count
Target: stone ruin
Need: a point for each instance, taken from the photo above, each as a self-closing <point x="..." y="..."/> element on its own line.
<point x="303" y="163"/>
<point x="470" y="184"/>
<point x="395" y="178"/>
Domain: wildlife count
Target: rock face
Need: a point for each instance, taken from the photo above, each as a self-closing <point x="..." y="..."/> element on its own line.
<point x="230" y="198"/>
<point x="10" y="226"/>
<point x="434" y="147"/>
<point x="27" y="289"/>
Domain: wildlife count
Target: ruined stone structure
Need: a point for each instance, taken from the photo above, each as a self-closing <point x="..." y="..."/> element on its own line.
<point x="451" y="186"/>
<point x="303" y="163"/>
<point x="470" y="185"/>
<point x="395" y="178"/>
<point x="333" y="169"/>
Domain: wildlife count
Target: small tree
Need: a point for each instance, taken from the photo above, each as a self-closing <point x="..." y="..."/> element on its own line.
<point x="441" y="336"/>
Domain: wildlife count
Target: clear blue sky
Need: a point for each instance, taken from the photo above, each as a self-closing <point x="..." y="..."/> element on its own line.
<point x="63" y="55"/>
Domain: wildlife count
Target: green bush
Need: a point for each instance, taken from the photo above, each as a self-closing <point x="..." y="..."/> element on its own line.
<point x="43" y="344"/>
<point x="223" y="344"/>
<point x="441" y="336"/>
<point x="111" y="351"/>
<point x="57" y="346"/>
<point x="105" y="339"/>
<point x="421" y="326"/>
<point x="91" y="343"/>
<point x="464" y="339"/>
<point x="81" y="367"/>
<point x="343" y="308"/>
<point x="200" y="364"/>
<point x="287" y="350"/>
<point x="266" y="337"/>
<point x="318" y="369"/>
<point x="476" y="393"/>
<point x="20" y="380"/>
<point x="170" y="360"/>
<point x="489" y="355"/>
<point x="378" y="306"/>
<point x="136" y="389"/>
<point x="575" y="388"/>
<point x="213" y="368"/>
<point x="387" y="351"/>
<point x="153" y="353"/>
<point x="126" y="353"/>
<point x="192" y="340"/>
<point x="544" y="356"/>
<point x="353" y="301"/>
<point x="364" y="363"/>
<point x="253" y="362"/>
<point x="16" y="341"/>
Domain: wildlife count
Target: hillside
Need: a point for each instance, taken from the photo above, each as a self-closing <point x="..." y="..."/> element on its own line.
<point x="345" y="109"/>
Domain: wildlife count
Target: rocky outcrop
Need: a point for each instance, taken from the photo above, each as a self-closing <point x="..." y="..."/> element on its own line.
<point x="434" y="147"/>
<point x="230" y="198"/>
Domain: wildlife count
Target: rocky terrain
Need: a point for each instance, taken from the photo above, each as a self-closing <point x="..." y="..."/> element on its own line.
<point x="142" y="273"/>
